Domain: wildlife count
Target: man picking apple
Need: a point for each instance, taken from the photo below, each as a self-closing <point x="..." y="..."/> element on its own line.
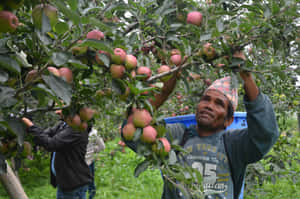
<point x="69" y="170"/>
<point x="222" y="156"/>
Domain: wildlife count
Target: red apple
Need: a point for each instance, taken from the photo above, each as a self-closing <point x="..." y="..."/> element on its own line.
<point x="95" y="34"/>
<point x="144" y="70"/>
<point x="209" y="51"/>
<point x="194" y="18"/>
<point x="128" y="131"/>
<point x="66" y="73"/>
<point x="149" y="134"/>
<point x="162" y="69"/>
<point x="166" y="146"/>
<point x="9" y="22"/>
<point x="176" y="59"/>
<point x="117" y="71"/>
<point x="53" y="70"/>
<point x="130" y="62"/>
<point x="141" y="118"/>
<point x="31" y="75"/>
<point x="119" y="56"/>
<point x="86" y="113"/>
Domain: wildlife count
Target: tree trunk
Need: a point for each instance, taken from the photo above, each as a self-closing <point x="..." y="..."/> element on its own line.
<point x="12" y="185"/>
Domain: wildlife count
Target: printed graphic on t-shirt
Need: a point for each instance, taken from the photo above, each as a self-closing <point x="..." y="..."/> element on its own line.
<point x="208" y="156"/>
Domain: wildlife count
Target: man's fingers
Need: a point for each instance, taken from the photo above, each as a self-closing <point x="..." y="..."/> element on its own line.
<point x="27" y="122"/>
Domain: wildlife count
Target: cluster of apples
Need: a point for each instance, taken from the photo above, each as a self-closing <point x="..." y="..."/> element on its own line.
<point x="141" y="118"/>
<point x="208" y="52"/>
<point x="10" y="148"/>
<point x="63" y="72"/>
<point x="79" y="121"/>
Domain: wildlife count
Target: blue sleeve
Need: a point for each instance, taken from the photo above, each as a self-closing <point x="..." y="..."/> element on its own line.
<point x="251" y="144"/>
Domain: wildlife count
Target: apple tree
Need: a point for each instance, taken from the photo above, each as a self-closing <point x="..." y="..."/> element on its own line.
<point x="88" y="58"/>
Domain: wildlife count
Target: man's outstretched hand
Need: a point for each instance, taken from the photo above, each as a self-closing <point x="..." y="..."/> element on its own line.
<point x="27" y="122"/>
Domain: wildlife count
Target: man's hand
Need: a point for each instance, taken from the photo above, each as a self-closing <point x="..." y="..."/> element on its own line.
<point x="249" y="83"/>
<point x="27" y="122"/>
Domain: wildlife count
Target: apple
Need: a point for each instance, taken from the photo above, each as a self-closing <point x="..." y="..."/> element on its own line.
<point x="74" y="121"/>
<point x="166" y="147"/>
<point x="130" y="62"/>
<point x="119" y="56"/>
<point x="48" y="10"/>
<point x="95" y="34"/>
<point x="117" y="71"/>
<point x="144" y="70"/>
<point x="176" y="59"/>
<point x="9" y="22"/>
<point x="175" y="52"/>
<point x="128" y="131"/>
<point x="194" y="18"/>
<point x="209" y="51"/>
<point x="53" y="70"/>
<point x="66" y="73"/>
<point x="149" y="134"/>
<point x="141" y="118"/>
<point x="86" y="113"/>
<point x="162" y="69"/>
<point x="31" y="75"/>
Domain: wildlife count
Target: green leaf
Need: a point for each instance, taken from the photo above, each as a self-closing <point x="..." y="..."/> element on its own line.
<point x="3" y="76"/>
<point x="18" y="128"/>
<point x="220" y="25"/>
<point x="184" y="191"/>
<point x="71" y="14"/>
<point x="149" y="106"/>
<point x="60" y="87"/>
<point x="3" y="47"/>
<point x="141" y="167"/>
<point x="43" y="37"/>
<point x="7" y="97"/>
<point x="60" y="58"/>
<point x="61" y="27"/>
<point x="73" y="4"/>
<point x="205" y="37"/>
<point x="98" y="23"/>
<point x="104" y="58"/>
<point x="137" y="134"/>
<point x="46" y="27"/>
<point x="172" y="157"/>
<point x="100" y="45"/>
<point x="10" y="64"/>
<point x="78" y="64"/>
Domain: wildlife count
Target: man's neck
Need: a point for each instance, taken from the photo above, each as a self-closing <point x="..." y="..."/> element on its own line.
<point x="204" y="132"/>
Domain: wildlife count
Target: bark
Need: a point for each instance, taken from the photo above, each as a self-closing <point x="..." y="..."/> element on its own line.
<point x="12" y="184"/>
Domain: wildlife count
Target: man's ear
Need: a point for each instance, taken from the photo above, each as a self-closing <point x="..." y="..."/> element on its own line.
<point x="228" y="121"/>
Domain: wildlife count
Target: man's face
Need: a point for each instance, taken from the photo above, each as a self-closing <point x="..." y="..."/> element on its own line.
<point x="211" y="111"/>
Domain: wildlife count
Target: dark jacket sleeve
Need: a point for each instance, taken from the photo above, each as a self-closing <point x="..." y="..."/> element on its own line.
<point x="251" y="144"/>
<point x="55" y="139"/>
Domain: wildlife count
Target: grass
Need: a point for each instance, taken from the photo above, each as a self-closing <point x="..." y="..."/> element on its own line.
<point x="114" y="178"/>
